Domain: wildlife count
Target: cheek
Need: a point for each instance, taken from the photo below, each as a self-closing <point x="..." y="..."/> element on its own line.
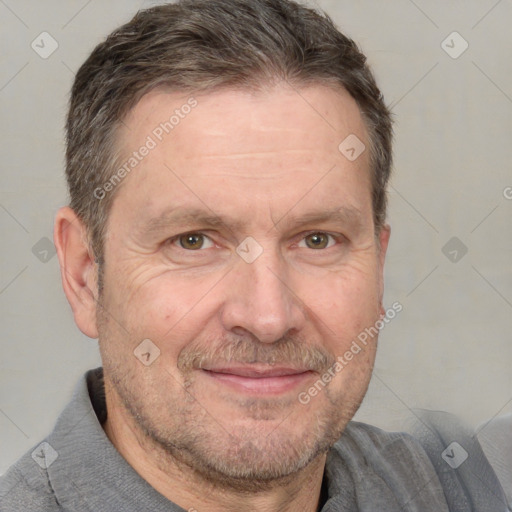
<point x="345" y="302"/>
<point x="170" y="312"/>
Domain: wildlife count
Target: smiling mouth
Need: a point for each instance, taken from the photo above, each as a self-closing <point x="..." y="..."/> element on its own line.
<point x="254" y="379"/>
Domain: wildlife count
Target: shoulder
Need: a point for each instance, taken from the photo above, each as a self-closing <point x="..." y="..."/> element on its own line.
<point x="466" y="475"/>
<point x="398" y="452"/>
<point x="26" y="487"/>
<point x="369" y="440"/>
<point x="439" y="456"/>
<point x="386" y="468"/>
<point x="495" y="436"/>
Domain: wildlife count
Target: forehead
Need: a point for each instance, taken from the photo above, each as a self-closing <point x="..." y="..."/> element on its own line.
<point x="233" y="146"/>
<point x="316" y="115"/>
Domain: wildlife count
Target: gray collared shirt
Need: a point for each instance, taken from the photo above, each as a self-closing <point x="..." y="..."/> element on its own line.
<point x="77" y="469"/>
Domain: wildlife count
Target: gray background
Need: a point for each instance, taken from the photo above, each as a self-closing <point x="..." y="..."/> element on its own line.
<point x="449" y="349"/>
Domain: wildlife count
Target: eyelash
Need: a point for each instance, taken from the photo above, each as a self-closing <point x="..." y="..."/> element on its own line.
<point x="333" y="238"/>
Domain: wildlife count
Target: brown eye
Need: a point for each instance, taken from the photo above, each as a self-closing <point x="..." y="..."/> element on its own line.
<point x="317" y="240"/>
<point x="192" y="241"/>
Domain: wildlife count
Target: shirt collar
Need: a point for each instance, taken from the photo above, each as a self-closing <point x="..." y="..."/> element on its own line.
<point x="89" y="473"/>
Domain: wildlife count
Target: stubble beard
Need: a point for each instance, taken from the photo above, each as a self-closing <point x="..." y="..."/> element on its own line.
<point x="180" y="433"/>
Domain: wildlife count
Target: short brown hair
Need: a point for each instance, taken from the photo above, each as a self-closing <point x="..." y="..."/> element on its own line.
<point x="201" y="45"/>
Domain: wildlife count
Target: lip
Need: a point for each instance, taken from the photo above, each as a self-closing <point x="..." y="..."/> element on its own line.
<point x="254" y="379"/>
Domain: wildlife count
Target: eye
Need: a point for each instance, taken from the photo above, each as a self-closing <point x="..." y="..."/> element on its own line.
<point x="317" y="241"/>
<point x="194" y="241"/>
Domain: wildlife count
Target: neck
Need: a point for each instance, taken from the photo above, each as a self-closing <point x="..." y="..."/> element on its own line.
<point x="181" y="484"/>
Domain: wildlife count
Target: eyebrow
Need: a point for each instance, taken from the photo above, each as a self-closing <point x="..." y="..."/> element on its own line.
<point x="188" y="217"/>
<point x="207" y="219"/>
<point x="342" y="215"/>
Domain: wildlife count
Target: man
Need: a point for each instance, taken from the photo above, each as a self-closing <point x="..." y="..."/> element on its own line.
<point x="227" y="164"/>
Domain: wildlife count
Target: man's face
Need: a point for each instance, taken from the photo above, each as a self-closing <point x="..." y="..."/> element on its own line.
<point x="241" y="334"/>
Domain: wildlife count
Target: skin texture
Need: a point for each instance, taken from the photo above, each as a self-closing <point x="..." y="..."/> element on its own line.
<point x="264" y="165"/>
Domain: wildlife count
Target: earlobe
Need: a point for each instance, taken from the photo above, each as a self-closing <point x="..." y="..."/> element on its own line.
<point x="78" y="269"/>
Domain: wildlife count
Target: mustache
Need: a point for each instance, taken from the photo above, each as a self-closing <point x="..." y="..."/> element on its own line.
<point x="290" y="351"/>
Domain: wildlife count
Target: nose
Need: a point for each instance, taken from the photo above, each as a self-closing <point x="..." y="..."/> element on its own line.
<point x="260" y="299"/>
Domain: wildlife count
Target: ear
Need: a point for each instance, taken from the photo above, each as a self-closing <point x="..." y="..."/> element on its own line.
<point x="78" y="269"/>
<point x="384" y="235"/>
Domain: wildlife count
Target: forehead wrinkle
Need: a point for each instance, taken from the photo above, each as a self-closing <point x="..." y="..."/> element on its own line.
<point x="257" y="152"/>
